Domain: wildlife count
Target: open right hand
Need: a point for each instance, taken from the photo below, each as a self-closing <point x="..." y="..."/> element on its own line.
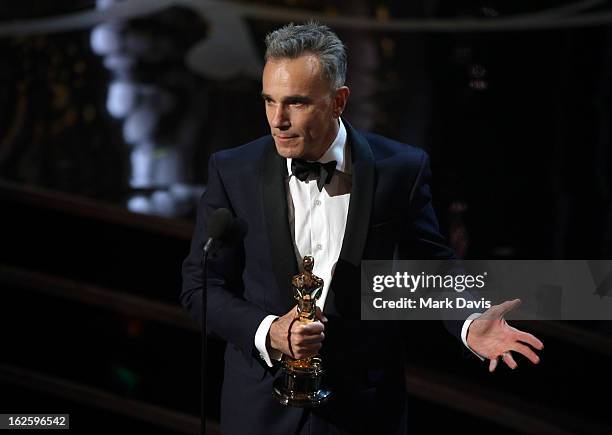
<point x="491" y="336"/>
<point x="295" y="339"/>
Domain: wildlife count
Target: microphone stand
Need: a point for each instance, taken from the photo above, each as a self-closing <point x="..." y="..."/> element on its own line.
<point x="219" y="223"/>
<point x="204" y="336"/>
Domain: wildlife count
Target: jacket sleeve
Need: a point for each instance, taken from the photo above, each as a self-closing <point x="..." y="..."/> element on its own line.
<point x="229" y="315"/>
<point x="422" y="239"/>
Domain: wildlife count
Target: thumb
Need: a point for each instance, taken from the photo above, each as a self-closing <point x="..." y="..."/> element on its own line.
<point x="320" y="316"/>
<point x="508" y="306"/>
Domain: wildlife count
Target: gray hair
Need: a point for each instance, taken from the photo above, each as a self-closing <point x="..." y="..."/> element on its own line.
<point x="292" y="41"/>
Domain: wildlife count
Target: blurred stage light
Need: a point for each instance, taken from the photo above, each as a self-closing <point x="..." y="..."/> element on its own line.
<point x="105" y="39"/>
<point x="140" y="125"/>
<point x="122" y="97"/>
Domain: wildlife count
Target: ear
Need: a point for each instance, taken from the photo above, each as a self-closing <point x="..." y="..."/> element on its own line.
<point x="340" y="99"/>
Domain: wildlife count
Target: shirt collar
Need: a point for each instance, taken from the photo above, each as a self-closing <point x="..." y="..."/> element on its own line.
<point x="337" y="151"/>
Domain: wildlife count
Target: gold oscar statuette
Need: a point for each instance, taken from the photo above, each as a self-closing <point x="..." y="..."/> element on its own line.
<point x="300" y="382"/>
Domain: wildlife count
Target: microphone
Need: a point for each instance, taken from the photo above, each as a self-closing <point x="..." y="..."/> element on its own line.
<point x="218" y="225"/>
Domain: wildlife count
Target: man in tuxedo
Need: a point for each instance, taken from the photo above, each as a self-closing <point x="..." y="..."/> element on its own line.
<point x="317" y="186"/>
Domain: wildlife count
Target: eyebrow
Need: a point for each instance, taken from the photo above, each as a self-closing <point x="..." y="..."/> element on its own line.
<point x="290" y="98"/>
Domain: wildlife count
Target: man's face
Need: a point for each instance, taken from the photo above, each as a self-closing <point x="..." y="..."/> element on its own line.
<point x="301" y="107"/>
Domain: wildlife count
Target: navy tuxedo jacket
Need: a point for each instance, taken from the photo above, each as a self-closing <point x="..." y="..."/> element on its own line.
<point x="390" y="216"/>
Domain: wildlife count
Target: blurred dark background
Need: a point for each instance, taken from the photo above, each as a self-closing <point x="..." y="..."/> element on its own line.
<point x="109" y="111"/>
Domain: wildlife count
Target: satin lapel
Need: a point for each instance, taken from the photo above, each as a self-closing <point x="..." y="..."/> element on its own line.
<point x="277" y="220"/>
<point x="360" y="206"/>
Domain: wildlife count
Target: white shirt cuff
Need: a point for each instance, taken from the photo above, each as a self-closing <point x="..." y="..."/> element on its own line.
<point x="464" y="332"/>
<point x="260" y="341"/>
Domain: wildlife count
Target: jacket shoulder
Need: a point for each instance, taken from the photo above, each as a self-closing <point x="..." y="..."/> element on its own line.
<point x="246" y="152"/>
<point x="384" y="148"/>
<point x="243" y="157"/>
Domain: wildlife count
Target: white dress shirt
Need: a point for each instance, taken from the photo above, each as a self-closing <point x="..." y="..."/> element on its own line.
<point x="318" y="221"/>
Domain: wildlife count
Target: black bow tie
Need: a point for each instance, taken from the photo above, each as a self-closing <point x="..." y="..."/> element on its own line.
<point x="323" y="171"/>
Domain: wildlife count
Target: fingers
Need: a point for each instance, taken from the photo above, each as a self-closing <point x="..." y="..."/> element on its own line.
<point x="308" y="333"/>
<point x="306" y="339"/>
<point x="303" y="350"/>
<point x="507" y="358"/>
<point x="296" y="339"/>
<point x="315" y="327"/>
<point x="528" y="338"/>
<point x="492" y="365"/>
<point x="526" y="351"/>
<point x="310" y="339"/>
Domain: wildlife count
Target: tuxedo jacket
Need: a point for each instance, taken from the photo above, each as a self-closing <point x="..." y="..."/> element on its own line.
<point x="390" y="217"/>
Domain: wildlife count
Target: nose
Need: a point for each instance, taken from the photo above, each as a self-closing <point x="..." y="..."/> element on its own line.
<point x="280" y="119"/>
